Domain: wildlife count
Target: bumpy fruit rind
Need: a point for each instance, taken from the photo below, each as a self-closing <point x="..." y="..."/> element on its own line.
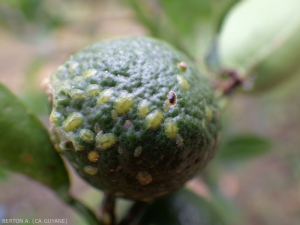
<point x="130" y="120"/>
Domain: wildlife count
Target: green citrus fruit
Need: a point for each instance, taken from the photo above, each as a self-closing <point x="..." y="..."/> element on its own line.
<point x="134" y="116"/>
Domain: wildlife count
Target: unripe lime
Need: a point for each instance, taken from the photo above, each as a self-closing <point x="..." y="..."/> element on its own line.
<point x="134" y="116"/>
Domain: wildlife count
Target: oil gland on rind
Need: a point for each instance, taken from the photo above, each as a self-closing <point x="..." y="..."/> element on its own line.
<point x="182" y="66"/>
<point x="179" y="140"/>
<point x="90" y="170"/>
<point x="104" y="96"/>
<point x="138" y="151"/>
<point x="92" y="90"/>
<point x="93" y="156"/>
<point x="106" y="141"/>
<point x="73" y="121"/>
<point x="171" y="128"/>
<point x="143" y="108"/>
<point x="87" y="136"/>
<point x="144" y="177"/>
<point x="154" y="120"/>
<point x="183" y="83"/>
<point x="77" y="94"/>
<point x="124" y="103"/>
<point x="89" y="73"/>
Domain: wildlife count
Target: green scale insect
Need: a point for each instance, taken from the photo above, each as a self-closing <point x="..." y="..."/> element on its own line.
<point x="134" y="116"/>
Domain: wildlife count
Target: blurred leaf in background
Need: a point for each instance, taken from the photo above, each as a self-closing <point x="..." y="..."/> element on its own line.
<point x="29" y="17"/>
<point x="181" y="208"/>
<point x="242" y="147"/>
<point x="32" y="93"/>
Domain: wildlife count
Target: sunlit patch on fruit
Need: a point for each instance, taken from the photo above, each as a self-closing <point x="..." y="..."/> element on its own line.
<point x="93" y="156"/>
<point x="61" y="69"/>
<point x="89" y="73"/>
<point x="182" y="66"/>
<point x="183" y="83"/>
<point x="92" y="90"/>
<point x="208" y="113"/>
<point x="72" y="67"/>
<point x="124" y="103"/>
<point x="90" y="170"/>
<point x="179" y="140"/>
<point x="106" y="141"/>
<point x="87" y="136"/>
<point x="144" y="177"/>
<point x="154" y="120"/>
<point x="171" y="128"/>
<point x="73" y="122"/>
<point x="143" y="108"/>
<point x="138" y="151"/>
<point x="104" y="96"/>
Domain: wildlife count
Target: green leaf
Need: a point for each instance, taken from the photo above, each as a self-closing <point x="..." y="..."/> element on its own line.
<point x="243" y="147"/>
<point x="263" y="38"/>
<point x="25" y="146"/>
<point x="36" y="101"/>
<point x="181" y="207"/>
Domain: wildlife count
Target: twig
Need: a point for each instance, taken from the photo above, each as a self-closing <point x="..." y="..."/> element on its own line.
<point x="234" y="80"/>
<point x="85" y="212"/>
<point x="108" y="209"/>
<point x="134" y="211"/>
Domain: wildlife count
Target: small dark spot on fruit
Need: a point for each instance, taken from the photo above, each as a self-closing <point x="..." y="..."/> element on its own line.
<point x="172" y="98"/>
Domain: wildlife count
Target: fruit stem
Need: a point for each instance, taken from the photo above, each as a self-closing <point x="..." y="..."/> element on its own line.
<point x="108" y="209"/>
<point x="233" y="80"/>
<point x="85" y="212"/>
<point x="133" y="213"/>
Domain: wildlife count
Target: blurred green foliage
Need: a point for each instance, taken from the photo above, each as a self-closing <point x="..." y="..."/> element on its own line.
<point x="190" y="25"/>
<point x="29" y="17"/>
<point x="181" y="208"/>
<point x="242" y="147"/>
<point x="25" y="146"/>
